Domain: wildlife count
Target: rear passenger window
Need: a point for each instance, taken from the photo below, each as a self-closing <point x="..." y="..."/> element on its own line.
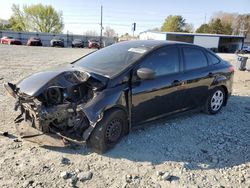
<point x="194" y="58"/>
<point x="213" y="59"/>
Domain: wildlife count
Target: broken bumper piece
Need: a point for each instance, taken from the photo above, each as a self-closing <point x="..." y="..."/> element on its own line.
<point x="54" y="139"/>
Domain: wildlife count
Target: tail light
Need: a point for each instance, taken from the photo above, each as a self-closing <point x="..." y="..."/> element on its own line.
<point x="231" y="69"/>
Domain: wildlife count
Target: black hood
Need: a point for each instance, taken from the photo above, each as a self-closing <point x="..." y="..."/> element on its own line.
<point x="32" y="84"/>
<point x="36" y="83"/>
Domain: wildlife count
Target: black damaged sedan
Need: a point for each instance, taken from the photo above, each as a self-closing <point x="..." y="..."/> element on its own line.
<point x="100" y="97"/>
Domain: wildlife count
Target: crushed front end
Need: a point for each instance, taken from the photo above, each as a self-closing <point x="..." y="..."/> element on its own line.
<point x="57" y="105"/>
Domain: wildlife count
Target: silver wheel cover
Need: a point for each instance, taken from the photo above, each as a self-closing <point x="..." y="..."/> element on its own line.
<point x="217" y="100"/>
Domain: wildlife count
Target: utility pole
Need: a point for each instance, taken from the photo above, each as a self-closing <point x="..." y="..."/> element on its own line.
<point x="133" y="28"/>
<point x="67" y="38"/>
<point x="101" y="28"/>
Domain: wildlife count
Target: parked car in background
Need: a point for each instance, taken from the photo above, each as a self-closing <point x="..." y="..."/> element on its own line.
<point x="10" y="40"/>
<point x="77" y="43"/>
<point x="34" y="41"/>
<point x="57" y="42"/>
<point x="93" y="43"/>
<point x="246" y="49"/>
<point x="102" y="96"/>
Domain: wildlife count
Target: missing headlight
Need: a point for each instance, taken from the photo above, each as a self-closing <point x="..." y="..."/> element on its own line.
<point x="54" y="95"/>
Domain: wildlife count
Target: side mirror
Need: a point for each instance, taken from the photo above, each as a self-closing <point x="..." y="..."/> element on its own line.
<point x="146" y="73"/>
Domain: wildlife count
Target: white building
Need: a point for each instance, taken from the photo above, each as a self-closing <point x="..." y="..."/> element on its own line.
<point x="215" y="42"/>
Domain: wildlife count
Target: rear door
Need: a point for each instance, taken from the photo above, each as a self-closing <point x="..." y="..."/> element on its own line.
<point x="197" y="76"/>
<point x="155" y="98"/>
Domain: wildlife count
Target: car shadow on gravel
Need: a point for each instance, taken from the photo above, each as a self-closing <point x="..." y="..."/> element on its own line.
<point x="197" y="140"/>
<point x="79" y="150"/>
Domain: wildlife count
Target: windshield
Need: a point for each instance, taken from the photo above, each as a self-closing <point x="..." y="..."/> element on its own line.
<point x="112" y="60"/>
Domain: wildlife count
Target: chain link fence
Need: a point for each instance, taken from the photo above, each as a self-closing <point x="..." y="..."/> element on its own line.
<point x="47" y="37"/>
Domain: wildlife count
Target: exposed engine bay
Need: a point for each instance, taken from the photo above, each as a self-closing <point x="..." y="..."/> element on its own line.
<point x="57" y="106"/>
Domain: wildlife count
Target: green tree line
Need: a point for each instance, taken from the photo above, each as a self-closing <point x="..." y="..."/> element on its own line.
<point x="220" y="23"/>
<point x="38" y="18"/>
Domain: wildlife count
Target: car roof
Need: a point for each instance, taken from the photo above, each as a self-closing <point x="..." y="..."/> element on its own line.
<point x="154" y="43"/>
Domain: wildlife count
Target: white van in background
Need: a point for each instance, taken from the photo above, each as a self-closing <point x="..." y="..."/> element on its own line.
<point x="246" y="49"/>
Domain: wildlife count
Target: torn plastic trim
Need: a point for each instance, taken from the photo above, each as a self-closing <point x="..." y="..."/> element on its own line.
<point x="67" y="138"/>
<point x="31" y="134"/>
<point x="89" y="130"/>
<point x="39" y="133"/>
<point x="10" y="88"/>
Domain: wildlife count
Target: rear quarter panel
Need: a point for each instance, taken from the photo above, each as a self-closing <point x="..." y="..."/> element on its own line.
<point x="223" y="76"/>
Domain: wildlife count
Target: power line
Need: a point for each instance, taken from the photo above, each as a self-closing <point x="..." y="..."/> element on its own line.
<point x="111" y="24"/>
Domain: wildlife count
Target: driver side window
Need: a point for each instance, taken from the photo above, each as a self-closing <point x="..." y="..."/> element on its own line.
<point x="163" y="61"/>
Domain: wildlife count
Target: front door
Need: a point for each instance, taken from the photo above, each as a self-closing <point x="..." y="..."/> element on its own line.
<point x="162" y="95"/>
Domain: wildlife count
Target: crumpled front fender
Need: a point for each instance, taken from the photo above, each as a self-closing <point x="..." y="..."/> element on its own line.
<point x="104" y="100"/>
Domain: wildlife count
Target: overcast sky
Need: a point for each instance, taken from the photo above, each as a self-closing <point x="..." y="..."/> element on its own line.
<point x="82" y="15"/>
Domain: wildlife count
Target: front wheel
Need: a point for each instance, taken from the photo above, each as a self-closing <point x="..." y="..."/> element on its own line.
<point x="215" y="101"/>
<point x="108" y="131"/>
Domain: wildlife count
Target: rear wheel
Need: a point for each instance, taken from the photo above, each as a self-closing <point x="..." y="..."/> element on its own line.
<point x="215" y="101"/>
<point x="108" y="131"/>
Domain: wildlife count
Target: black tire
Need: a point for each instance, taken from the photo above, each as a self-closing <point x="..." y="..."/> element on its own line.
<point x="108" y="131"/>
<point x="215" y="101"/>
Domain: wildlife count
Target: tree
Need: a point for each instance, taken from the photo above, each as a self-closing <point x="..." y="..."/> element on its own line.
<point x="174" y="23"/>
<point x="216" y="27"/>
<point x="227" y="23"/>
<point x="225" y="17"/>
<point x="109" y="32"/>
<point x="127" y="36"/>
<point x="155" y="29"/>
<point x="189" y="28"/>
<point x="240" y="23"/>
<point x="4" y="24"/>
<point x="39" y="18"/>
<point x="18" y="20"/>
<point x="228" y="30"/>
<point x="241" y="26"/>
<point x="204" y="28"/>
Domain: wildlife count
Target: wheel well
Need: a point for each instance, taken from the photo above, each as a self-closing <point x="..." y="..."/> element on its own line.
<point x="226" y="94"/>
<point x="127" y="129"/>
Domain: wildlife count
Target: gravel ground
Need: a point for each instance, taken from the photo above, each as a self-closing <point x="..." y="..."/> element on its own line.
<point x="196" y="150"/>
